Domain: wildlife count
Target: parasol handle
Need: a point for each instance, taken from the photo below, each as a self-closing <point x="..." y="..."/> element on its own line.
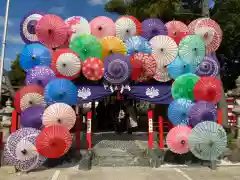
<point x="50" y="31"/>
<point x="24" y="151"/>
<point x="183" y="142"/>
<point x="100" y="28"/>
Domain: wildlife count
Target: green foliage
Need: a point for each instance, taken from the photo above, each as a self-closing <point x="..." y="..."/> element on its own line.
<point x="17" y="74"/>
<point x="143" y="9"/>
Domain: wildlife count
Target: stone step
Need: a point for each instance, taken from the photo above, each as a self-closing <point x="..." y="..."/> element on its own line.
<point x="120" y="161"/>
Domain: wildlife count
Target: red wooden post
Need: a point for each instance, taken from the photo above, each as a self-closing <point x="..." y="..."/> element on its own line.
<point x="89" y="130"/>
<point x="161" y="132"/>
<point x="150" y="129"/>
<point x="219" y="117"/>
<point x="78" y="128"/>
<point x="14" y="125"/>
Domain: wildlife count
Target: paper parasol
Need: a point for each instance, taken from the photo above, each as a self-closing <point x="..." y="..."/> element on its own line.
<point x="52" y="31"/>
<point x="178" y="111"/>
<point x="102" y="26"/>
<point x="177" y="139"/>
<point x="27" y="27"/>
<point x="164" y="50"/>
<point x="137" y="44"/>
<point x="86" y="46"/>
<point x="34" y="55"/>
<point x="117" y="69"/>
<point x="208" y="67"/>
<point x="136" y="68"/>
<point x="153" y="27"/>
<point x="183" y="86"/>
<point x="148" y="65"/>
<point x="202" y="111"/>
<point x="178" y="67"/>
<point x="211" y="33"/>
<point x="125" y="28"/>
<point x="66" y="64"/>
<point x="192" y="49"/>
<point x="112" y="45"/>
<point x="60" y="90"/>
<point x="20" y="150"/>
<point x="23" y="91"/>
<point x="192" y="26"/>
<point x="137" y="23"/>
<point x="207" y="141"/>
<point x="54" y="141"/>
<point x="208" y="89"/>
<point x="30" y="95"/>
<point x="78" y="25"/>
<point x="32" y="117"/>
<point x="93" y="69"/>
<point x="59" y="113"/>
<point x="177" y="30"/>
<point x="40" y="75"/>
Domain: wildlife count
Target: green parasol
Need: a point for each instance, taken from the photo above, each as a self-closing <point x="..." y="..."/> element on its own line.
<point x="183" y="86"/>
<point x="86" y="46"/>
<point x="192" y="49"/>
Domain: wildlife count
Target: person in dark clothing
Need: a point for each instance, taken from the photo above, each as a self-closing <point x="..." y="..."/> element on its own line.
<point x="101" y="118"/>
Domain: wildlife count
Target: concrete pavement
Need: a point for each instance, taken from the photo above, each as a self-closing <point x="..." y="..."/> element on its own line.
<point x="126" y="173"/>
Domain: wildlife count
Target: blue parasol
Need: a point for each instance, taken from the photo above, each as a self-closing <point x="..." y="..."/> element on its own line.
<point x="178" y="111"/>
<point x="60" y="90"/>
<point x="178" y="67"/>
<point x="137" y="44"/>
<point x="34" y="55"/>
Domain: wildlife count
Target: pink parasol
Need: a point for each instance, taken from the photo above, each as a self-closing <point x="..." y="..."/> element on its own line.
<point x="102" y="26"/>
<point x="52" y="31"/>
<point x="148" y="65"/>
<point x="78" y="26"/>
<point x="177" y="30"/>
<point x="177" y="139"/>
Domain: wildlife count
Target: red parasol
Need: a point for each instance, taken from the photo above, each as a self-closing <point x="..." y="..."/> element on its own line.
<point x="136" y="68"/>
<point x="93" y="69"/>
<point x="148" y="66"/>
<point x="177" y="30"/>
<point x="52" y="31"/>
<point x="54" y="141"/>
<point x="177" y="139"/>
<point x="66" y="64"/>
<point x="28" y="96"/>
<point x="208" y="89"/>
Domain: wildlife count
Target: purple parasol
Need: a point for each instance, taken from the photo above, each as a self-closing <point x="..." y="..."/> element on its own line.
<point x="27" y="27"/>
<point x="32" y="117"/>
<point x="208" y="67"/>
<point x="40" y="75"/>
<point x="117" y="69"/>
<point x="202" y="111"/>
<point x="153" y="27"/>
<point x="20" y="150"/>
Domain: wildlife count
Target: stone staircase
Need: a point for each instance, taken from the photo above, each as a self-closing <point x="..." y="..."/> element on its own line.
<point x="111" y="150"/>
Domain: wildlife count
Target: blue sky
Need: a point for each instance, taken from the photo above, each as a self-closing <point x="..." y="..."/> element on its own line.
<point x="64" y="8"/>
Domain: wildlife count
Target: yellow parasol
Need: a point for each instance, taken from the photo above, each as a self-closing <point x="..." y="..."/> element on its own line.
<point x="112" y="45"/>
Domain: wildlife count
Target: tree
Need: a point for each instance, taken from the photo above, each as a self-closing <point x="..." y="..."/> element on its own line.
<point x="17" y="74"/>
